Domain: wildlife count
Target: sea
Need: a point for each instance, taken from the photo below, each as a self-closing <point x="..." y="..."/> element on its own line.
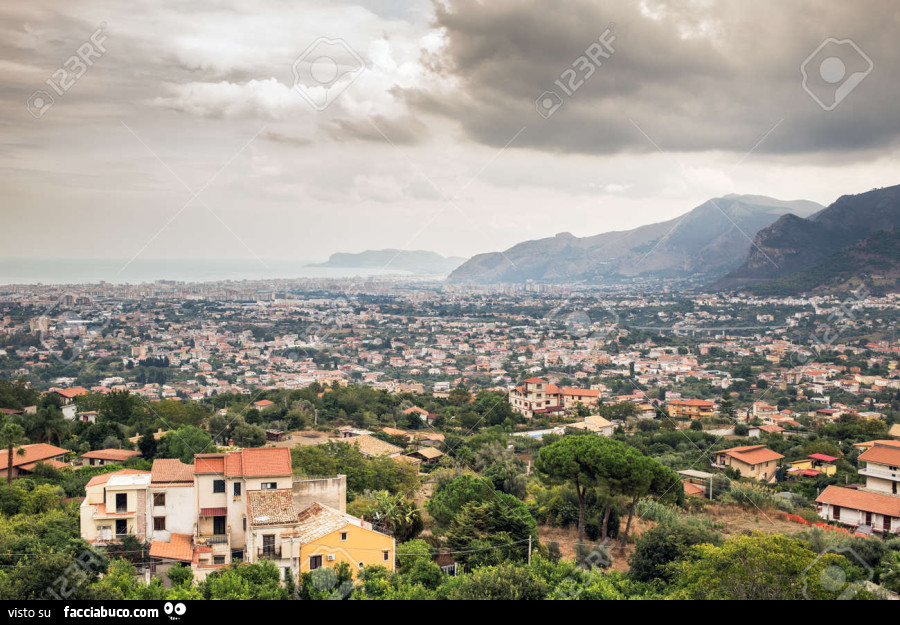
<point x="143" y="270"/>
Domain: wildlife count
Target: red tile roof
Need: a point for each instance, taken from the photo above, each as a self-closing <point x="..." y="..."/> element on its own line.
<point x="752" y="454"/>
<point x="260" y="462"/>
<point x="211" y="463"/>
<point x="33" y="453"/>
<point x="178" y="548"/>
<point x="171" y="471"/>
<point x="213" y="511"/>
<point x="116" y="455"/>
<point x="71" y="393"/>
<point x="882" y="454"/>
<point x="860" y="500"/>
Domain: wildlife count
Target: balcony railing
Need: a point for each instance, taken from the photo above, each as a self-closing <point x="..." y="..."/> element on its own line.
<point x="269" y="552"/>
<point x="216" y="539"/>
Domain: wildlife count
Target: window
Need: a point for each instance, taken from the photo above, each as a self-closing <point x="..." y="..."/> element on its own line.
<point x="237" y="489"/>
<point x="218" y="525"/>
<point x="159" y="523"/>
<point x="343" y="535"/>
<point x="121" y="502"/>
<point x="269" y="485"/>
<point x="315" y="562"/>
<point x="218" y="486"/>
<point x="245" y="523"/>
<point x="159" y="499"/>
<point x="218" y="559"/>
<point x="387" y="554"/>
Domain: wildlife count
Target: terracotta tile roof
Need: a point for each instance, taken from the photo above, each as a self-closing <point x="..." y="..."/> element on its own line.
<point x="860" y="500"/>
<point x="371" y="446"/>
<point x="248" y="462"/>
<point x="701" y="403"/>
<point x="882" y="454"/>
<point x="171" y="471"/>
<point x="178" y="548"/>
<point x="260" y="462"/>
<point x="752" y="454"/>
<point x="71" y="393"/>
<point x="823" y="457"/>
<point x="56" y="464"/>
<point x="319" y="520"/>
<point x="33" y="453"/>
<point x="429" y="453"/>
<point x="271" y="507"/>
<point x="116" y="455"/>
<point x="209" y="463"/>
<point x="581" y="392"/>
<point x="103" y="479"/>
<point x="535" y="381"/>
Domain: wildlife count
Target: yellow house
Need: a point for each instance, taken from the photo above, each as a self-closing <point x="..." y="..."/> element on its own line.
<point x="812" y="465"/>
<point x="328" y="536"/>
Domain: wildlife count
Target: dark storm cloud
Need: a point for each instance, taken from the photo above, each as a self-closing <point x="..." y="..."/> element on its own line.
<point x="704" y="75"/>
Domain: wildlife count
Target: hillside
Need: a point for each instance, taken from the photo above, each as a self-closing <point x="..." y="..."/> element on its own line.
<point x="415" y="261"/>
<point x="793" y="244"/>
<point x="710" y="240"/>
<point x="873" y="262"/>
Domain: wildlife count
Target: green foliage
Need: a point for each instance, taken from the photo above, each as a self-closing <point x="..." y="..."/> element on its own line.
<point x="363" y="474"/>
<point x="668" y="542"/>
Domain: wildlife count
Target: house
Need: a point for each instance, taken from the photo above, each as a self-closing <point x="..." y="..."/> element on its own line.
<point x="596" y="424"/>
<point x="813" y="465"/>
<point x="115" y="506"/>
<point x="690" y="408"/>
<point x="272" y="528"/>
<point x="222" y="482"/>
<point x="24" y="463"/>
<point x="881" y="468"/>
<point x="895" y="430"/>
<point x="537" y="396"/>
<point x="170" y="499"/>
<point x="753" y="461"/>
<point x="328" y="537"/>
<point x="263" y="404"/>
<point x="102" y="457"/>
<point x="696" y="483"/>
<point x="427" y="455"/>
<point x="856" y="508"/>
<point x="876" y="507"/>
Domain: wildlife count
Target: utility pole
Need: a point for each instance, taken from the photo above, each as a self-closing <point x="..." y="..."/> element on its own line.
<point x="529" y="550"/>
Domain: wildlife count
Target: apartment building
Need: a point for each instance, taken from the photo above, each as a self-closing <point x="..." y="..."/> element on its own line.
<point x="690" y="408"/>
<point x="536" y="396"/>
<point x="240" y="505"/>
<point x="875" y="507"/>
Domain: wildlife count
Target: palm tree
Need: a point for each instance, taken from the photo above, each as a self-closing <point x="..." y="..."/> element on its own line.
<point x="12" y="435"/>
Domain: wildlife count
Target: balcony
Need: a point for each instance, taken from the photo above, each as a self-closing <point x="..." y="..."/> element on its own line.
<point x="271" y="553"/>
<point x="879" y="471"/>
<point x="215" y="539"/>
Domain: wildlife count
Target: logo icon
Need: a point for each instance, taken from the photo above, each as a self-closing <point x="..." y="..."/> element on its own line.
<point x="39" y="103"/>
<point x="324" y="70"/>
<point x="834" y="70"/>
<point x="547" y="104"/>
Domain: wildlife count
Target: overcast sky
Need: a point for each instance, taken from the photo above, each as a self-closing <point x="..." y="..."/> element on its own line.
<point x="434" y="142"/>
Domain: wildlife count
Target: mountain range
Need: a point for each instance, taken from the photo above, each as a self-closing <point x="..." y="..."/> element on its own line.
<point x="414" y="261"/>
<point x="708" y="242"/>
<point x="851" y="241"/>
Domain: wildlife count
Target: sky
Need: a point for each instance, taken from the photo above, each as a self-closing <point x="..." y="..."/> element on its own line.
<point x="295" y="129"/>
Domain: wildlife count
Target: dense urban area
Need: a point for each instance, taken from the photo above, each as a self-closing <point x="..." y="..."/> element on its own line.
<point x="402" y="438"/>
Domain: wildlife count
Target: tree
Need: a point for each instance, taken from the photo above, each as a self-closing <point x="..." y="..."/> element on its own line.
<point x="764" y="567"/>
<point x="581" y="460"/>
<point x="184" y="443"/>
<point x="11" y="435"/>
<point x="451" y="495"/>
<point x="637" y="475"/>
<point x="664" y="544"/>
